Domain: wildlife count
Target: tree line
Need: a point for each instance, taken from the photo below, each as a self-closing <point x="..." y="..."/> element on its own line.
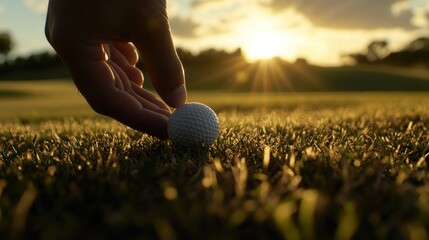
<point x="414" y="54"/>
<point x="50" y="60"/>
<point x="32" y="61"/>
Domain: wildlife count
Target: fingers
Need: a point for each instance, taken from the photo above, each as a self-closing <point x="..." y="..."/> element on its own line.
<point x="96" y="80"/>
<point x="119" y="68"/>
<point x="128" y="110"/>
<point x="128" y="51"/>
<point x="147" y="100"/>
<point x="125" y="56"/>
<point x="162" y="63"/>
<point x="149" y="96"/>
<point x="151" y="123"/>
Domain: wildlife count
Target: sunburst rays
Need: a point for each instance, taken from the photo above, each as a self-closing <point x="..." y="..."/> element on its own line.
<point x="269" y="75"/>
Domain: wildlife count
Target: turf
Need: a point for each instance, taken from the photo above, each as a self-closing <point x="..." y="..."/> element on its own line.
<point x="298" y="166"/>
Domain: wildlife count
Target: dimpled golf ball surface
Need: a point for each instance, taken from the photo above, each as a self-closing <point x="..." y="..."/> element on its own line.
<point x="193" y="125"/>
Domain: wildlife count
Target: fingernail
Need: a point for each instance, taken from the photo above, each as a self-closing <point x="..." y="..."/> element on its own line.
<point x="177" y="97"/>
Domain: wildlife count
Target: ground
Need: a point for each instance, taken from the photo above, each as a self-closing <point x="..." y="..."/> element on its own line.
<point x="294" y="166"/>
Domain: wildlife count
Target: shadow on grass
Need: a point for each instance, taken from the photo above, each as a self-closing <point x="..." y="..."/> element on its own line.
<point x="5" y="94"/>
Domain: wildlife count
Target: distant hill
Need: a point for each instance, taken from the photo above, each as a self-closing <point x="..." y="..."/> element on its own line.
<point x="281" y="76"/>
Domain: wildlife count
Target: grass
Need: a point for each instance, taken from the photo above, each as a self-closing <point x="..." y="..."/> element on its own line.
<point x="41" y="100"/>
<point x="295" y="166"/>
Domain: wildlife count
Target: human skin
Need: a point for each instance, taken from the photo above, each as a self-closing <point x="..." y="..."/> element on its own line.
<point x="100" y="42"/>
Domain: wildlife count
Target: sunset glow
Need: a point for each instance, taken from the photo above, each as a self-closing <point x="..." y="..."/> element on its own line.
<point x="263" y="45"/>
<point x="262" y="28"/>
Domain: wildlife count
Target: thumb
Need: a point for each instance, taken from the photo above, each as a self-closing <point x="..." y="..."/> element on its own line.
<point x="155" y="45"/>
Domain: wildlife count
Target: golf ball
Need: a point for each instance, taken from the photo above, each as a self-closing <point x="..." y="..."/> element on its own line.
<point x="193" y="125"/>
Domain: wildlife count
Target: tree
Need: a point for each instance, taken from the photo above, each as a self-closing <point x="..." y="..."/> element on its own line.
<point x="377" y="50"/>
<point x="415" y="54"/>
<point x="6" y="45"/>
<point x="420" y="44"/>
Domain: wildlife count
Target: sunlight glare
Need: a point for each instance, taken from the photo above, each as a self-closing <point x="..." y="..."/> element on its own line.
<point x="263" y="45"/>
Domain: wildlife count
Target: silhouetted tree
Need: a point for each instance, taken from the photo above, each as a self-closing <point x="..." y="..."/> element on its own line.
<point x="420" y="44"/>
<point x="415" y="54"/>
<point x="301" y="61"/>
<point x="6" y="45"/>
<point x="354" y="59"/>
<point x="377" y="50"/>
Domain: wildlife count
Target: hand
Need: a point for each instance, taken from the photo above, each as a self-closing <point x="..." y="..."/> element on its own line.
<point x="100" y="41"/>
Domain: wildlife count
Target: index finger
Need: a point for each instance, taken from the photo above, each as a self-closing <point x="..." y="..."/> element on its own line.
<point x="156" y="48"/>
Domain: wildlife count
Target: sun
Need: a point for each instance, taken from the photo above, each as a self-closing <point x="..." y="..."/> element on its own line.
<point x="263" y="45"/>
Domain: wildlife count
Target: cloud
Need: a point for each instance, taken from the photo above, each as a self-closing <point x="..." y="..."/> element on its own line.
<point x="183" y="26"/>
<point x="419" y="11"/>
<point x="39" y="6"/>
<point x="319" y="30"/>
<point x="400" y="7"/>
<point x="421" y="18"/>
<point x="223" y="16"/>
<point x="222" y="8"/>
<point x="350" y="14"/>
<point x="173" y="8"/>
<point x="209" y="4"/>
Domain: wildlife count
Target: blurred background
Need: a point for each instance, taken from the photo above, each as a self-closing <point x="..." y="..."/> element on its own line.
<point x="260" y="45"/>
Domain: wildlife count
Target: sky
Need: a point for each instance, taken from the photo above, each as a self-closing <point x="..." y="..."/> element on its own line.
<point x="319" y="31"/>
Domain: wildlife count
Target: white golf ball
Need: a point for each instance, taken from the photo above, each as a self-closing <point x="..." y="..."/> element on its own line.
<point x="193" y="125"/>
